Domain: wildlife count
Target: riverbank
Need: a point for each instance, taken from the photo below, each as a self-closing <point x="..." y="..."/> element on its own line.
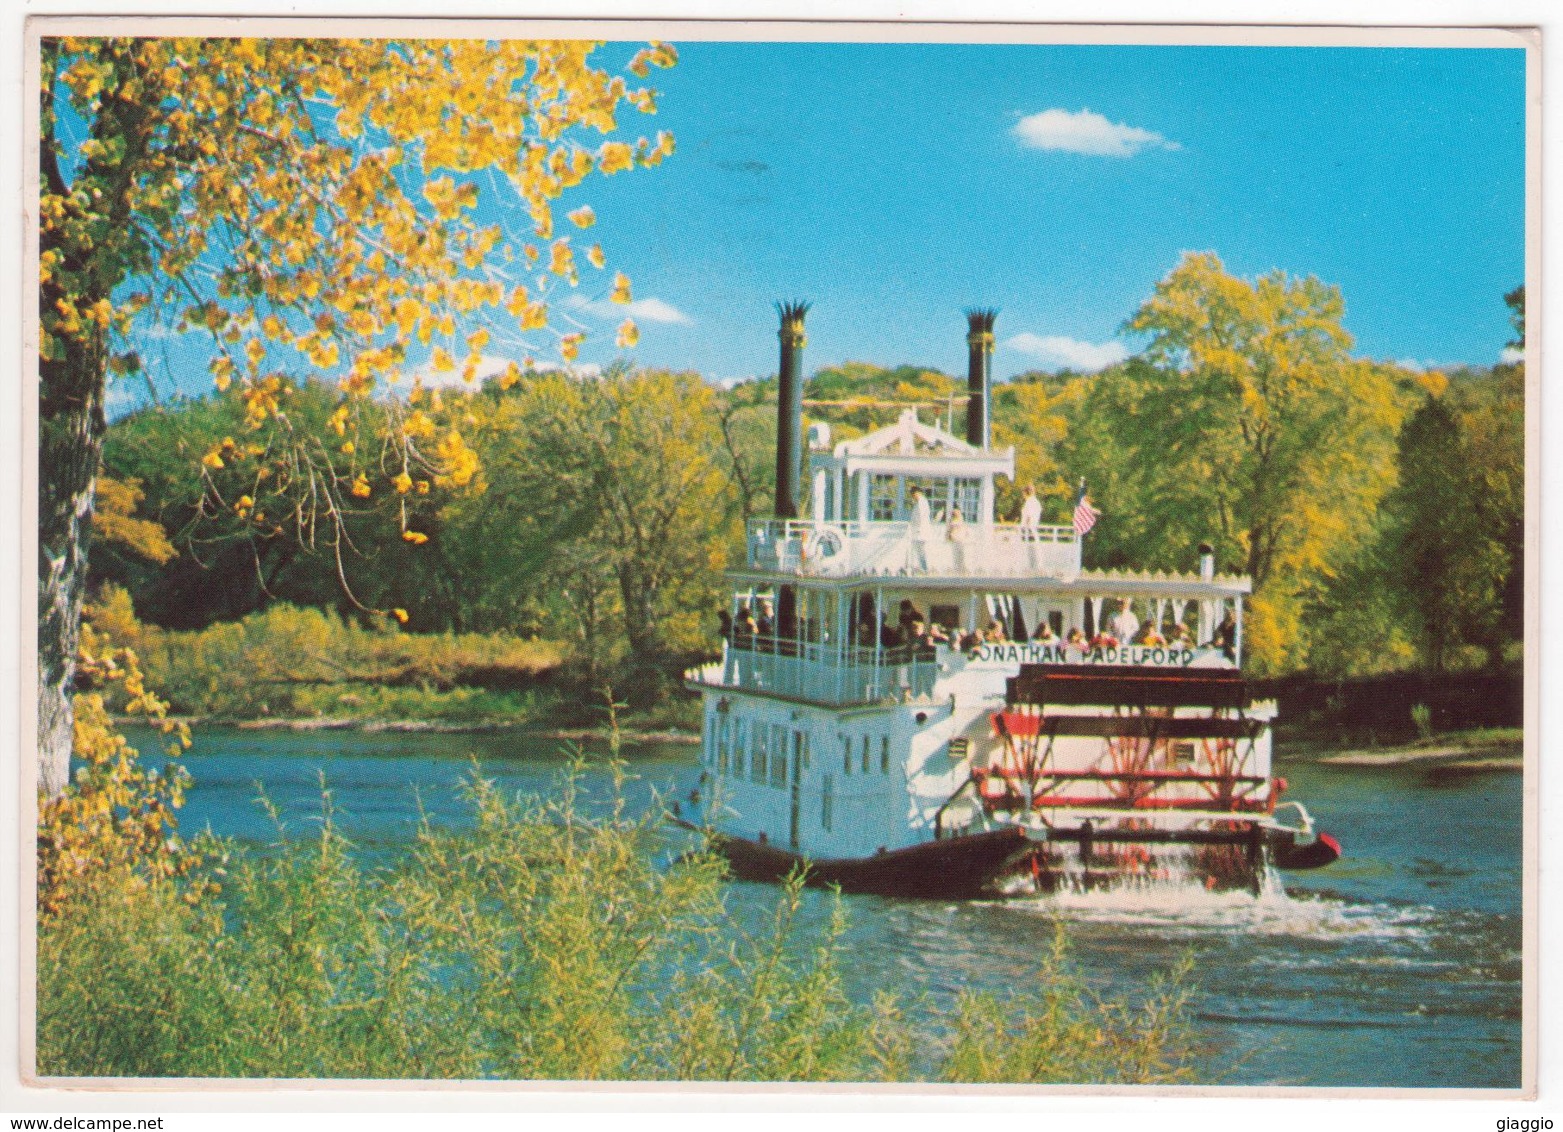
<point x="528" y="729"/>
<point x="1483" y="749"/>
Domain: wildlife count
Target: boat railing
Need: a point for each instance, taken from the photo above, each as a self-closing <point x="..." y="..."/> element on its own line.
<point x="837" y="548"/>
<point x="824" y="673"/>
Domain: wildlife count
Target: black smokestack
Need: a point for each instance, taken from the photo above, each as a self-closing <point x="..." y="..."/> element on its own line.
<point x="979" y="376"/>
<point x="789" y="409"/>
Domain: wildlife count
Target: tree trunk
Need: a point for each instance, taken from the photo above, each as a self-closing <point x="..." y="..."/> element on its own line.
<point x="89" y="248"/>
<point x="640" y="622"/>
<point x="70" y="442"/>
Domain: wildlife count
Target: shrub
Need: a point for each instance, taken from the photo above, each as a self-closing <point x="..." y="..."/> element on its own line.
<point x="543" y="942"/>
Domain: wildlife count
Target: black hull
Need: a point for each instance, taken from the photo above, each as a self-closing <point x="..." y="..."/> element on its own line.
<point x="955" y="868"/>
<point x="1321" y="851"/>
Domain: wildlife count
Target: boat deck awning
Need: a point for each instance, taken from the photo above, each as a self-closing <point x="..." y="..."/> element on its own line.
<point x="1090" y="583"/>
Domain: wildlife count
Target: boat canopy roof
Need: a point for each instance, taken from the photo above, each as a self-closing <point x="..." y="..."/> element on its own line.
<point x="1087" y="583"/>
<point x="910" y="447"/>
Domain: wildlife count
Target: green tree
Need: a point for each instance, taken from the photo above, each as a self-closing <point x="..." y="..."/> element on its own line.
<point x="1252" y="426"/>
<point x="620" y="477"/>
<point x="314" y="206"/>
<point x="1457" y="535"/>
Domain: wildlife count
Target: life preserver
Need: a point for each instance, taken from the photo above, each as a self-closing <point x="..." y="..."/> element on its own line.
<point x="824" y="544"/>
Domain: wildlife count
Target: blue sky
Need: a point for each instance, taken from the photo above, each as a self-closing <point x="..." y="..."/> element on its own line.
<point x="895" y="185"/>
<point x="888" y="184"/>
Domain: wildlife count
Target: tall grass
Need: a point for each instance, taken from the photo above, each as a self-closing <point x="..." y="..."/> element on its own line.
<point x="546" y="940"/>
<point x="286" y="661"/>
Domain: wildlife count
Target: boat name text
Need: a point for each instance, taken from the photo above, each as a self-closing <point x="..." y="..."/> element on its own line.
<point x="1065" y="654"/>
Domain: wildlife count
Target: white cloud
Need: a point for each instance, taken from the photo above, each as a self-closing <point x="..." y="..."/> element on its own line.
<point x="641" y="310"/>
<point x="1087" y="132"/>
<point x="1511" y="356"/>
<point x="1071" y="353"/>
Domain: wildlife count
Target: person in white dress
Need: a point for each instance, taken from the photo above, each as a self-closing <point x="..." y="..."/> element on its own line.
<point x="921" y="530"/>
<point x="956" y="534"/>
<point x="1125" y="624"/>
<point x="1030" y="520"/>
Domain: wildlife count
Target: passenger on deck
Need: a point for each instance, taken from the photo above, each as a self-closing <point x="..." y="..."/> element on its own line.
<point x="1030" y="514"/>
<point x="766" y="625"/>
<point x="994" y="634"/>
<point x="725" y="624"/>
<point x="1044" y="634"/>
<point x="1180" y="635"/>
<point x="908" y="616"/>
<point x="1124" y="624"/>
<point x="920" y="531"/>
<point x="956" y="533"/>
<point x="1226" y="637"/>
<point x="744" y="628"/>
<point x="1149" y="637"/>
<point x="1076" y="639"/>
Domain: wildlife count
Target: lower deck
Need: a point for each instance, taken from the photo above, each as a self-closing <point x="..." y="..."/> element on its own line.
<point x="833" y="783"/>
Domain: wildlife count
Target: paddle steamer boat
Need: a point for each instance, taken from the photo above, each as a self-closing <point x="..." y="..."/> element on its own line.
<point x="860" y="727"/>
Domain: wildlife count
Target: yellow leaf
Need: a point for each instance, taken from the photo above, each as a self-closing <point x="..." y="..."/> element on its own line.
<point x="561" y="258"/>
<point x="629" y="334"/>
<point x="417" y="538"/>
<point x="400" y="615"/>
<point x="583" y="217"/>
<point x="621" y="288"/>
<point x="615" y="157"/>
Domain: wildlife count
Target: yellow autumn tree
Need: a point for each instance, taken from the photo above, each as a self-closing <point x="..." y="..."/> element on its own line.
<point x="346" y="209"/>
<point x="1248" y="424"/>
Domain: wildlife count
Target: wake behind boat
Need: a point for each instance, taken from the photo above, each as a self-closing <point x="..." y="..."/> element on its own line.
<point x="915" y="699"/>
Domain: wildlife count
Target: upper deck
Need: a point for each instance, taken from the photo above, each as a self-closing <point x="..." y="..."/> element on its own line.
<point x="856" y="548"/>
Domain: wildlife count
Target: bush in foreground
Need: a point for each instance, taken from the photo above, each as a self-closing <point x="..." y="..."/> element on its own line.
<point x="543" y="942"/>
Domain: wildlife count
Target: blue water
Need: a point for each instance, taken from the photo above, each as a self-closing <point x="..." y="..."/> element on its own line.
<point x="1398" y="966"/>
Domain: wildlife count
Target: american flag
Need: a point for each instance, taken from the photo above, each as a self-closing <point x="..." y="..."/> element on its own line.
<point x="1085" y="514"/>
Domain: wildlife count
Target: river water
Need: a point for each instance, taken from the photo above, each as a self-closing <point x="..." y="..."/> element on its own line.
<point x="1398" y="966"/>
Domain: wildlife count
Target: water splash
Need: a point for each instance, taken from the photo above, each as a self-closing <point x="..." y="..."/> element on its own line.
<point x="1175" y="891"/>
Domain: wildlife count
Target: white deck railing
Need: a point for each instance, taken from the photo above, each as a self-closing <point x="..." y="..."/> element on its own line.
<point x="824" y="674"/>
<point x="839" y="549"/>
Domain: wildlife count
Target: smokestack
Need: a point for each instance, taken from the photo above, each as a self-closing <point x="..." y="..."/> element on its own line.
<point x="789" y="409"/>
<point x="979" y="376"/>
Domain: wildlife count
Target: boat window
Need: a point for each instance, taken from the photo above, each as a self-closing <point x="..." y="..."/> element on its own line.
<point x="759" y="757"/>
<point x="846" y="755"/>
<point x="802" y="739"/>
<point x="884" y="754"/>
<point x="778" y="755"/>
<point x="865" y="754"/>
<point x="827" y="803"/>
<point x="967" y="496"/>
<point x="938" y="493"/>
<point x="884" y="498"/>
